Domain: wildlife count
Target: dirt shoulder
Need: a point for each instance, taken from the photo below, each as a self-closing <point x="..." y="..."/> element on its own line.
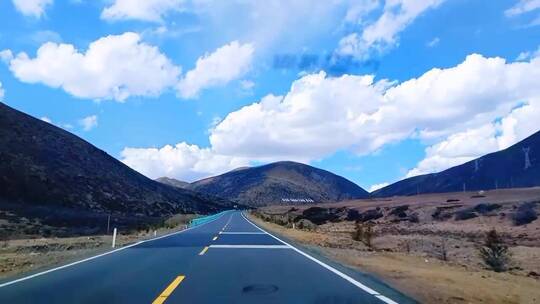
<point x="28" y="255"/>
<point x="427" y="279"/>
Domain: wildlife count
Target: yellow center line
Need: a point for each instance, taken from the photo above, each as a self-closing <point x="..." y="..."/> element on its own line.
<point x="203" y="251"/>
<point x="167" y="292"/>
<point x="215" y="238"/>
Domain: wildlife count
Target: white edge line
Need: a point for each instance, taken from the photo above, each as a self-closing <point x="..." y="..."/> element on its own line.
<point x="99" y="255"/>
<point x="332" y="269"/>
<point x="240" y="232"/>
<point x="247" y="246"/>
<point x="386" y="300"/>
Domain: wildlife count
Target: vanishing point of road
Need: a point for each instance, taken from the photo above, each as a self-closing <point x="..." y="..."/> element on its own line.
<point x="227" y="260"/>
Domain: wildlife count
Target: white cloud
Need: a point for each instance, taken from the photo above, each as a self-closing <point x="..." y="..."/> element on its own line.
<point x="247" y="84"/>
<point x="32" y="8"/>
<point x="528" y="55"/>
<point x="46" y="119"/>
<point x="522" y="7"/>
<point x="6" y="56"/>
<point x="433" y="42"/>
<point x="382" y="33"/>
<point x="465" y="146"/>
<point x="227" y="63"/>
<point x="376" y="187"/>
<point x="183" y="161"/>
<point x="1" y="92"/>
<point x="113" y="67"/>
<point x="145" y="10"/>
<point x="40" y="37"/>
<point x="321" y="115"/>
<point x="89" y="122"/>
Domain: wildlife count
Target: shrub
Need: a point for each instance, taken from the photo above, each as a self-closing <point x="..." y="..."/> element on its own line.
<point x="464" y="215"/>
<point x="363" y="233"/>
<point x="484" y="208"/>
<point x="371" y="215"/>
<point x="358" y="233"/>
<point x="494" y="252"/>
<point x="444" y="251"/>
<point x="306" y="225"/>
<point x="399" y="211"/>
<point x="525" y="214"/>
<point x="368" y="235"/>
<point x="353" y="215"/>
<point x="413" y="218"/>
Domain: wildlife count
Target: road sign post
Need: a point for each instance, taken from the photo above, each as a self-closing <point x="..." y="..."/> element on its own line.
<point x="114" y="238"/>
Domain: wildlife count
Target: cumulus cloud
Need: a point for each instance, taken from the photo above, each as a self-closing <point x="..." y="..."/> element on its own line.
<point x="376" y="187"/>
<point x="382" y="33"/>
<point x="182" y="161"/>
<point x="321" y="115"/>
<point x="1" y="92"/>
<point x="32" y="8"/>
<point x="145" y="10"/>
<point x="89" y="122"/>
<point x="113" y="67"/>
<point x="227" y="63"/>
<point x="457" y="149"/>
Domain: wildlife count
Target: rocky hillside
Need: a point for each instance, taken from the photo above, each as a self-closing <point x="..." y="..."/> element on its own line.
<point x="280" y="183"/>
<point x="51" y="177"/>
<point x="515" y="167"/>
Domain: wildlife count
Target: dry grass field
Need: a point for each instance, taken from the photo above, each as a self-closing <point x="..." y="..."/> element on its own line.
<point x="428" y="245"/>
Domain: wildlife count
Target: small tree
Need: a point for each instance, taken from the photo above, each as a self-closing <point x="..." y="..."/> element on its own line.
<point x="358" y="233"/>
<point x="363" y="233"/>
<point x="444" y="250"/>
<point x="368" y="235"/>
<point x="494" y="252"/>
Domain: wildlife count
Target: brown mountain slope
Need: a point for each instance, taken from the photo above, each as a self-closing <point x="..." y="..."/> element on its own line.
<point x="281" y="182"/>
<point x="51" y="177"/>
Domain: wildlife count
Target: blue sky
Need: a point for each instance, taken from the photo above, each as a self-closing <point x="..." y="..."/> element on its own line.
<point x="372" y="90"/>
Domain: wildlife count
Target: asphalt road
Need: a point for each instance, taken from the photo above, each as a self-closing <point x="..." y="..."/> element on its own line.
<point x="228" y="260"/>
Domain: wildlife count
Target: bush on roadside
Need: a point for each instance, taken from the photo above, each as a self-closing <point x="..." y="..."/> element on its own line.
<point x="525" y="214"/>
<point x="466" y="214"/>
<point x="494" y="252"/>
<point x="364" y="233"/>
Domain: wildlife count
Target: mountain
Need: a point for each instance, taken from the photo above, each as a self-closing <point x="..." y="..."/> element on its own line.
<point x="515" y="167"/>
<point x="53" y="177"/>
<point x="173" y="182"/>
<point x="280" y="183"/>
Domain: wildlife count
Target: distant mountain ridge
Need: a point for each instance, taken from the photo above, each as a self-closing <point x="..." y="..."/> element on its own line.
<point x="515" y="167"/>
<point x="280" y="183"/>
<point x="53" y="176"/>
<point x="173" y="182"/>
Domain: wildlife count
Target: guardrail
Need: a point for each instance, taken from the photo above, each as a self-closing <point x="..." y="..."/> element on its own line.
<point x="201" y="220"/>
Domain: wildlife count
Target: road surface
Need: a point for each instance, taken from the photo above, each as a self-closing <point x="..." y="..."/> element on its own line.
<point x="228" y="260"/>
